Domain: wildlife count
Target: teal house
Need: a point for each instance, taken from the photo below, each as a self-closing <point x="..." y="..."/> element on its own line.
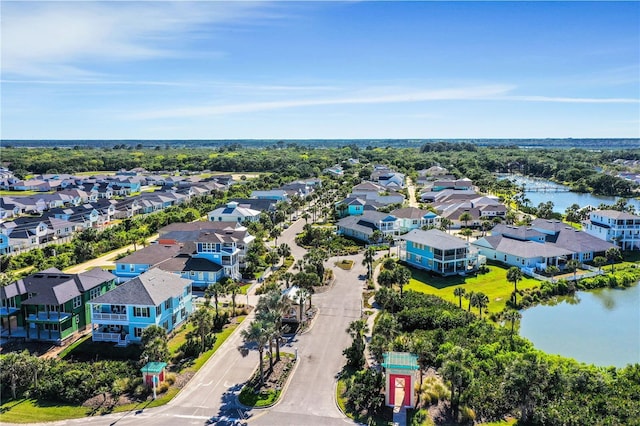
<point x="155" y="297"/>
<point x="437" y="251"/>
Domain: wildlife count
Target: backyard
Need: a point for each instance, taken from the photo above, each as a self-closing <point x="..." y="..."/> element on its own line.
<point x="493" y="283"/>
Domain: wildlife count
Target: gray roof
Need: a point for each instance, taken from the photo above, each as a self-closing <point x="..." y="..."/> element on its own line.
<point x="186" y="263"/>
<point x="524" y="249"/>
<point x="518" y="232"/>
<point x="581" y="242"/>
<point x="615" y="214"/>
<point x="435" y="238"/>
<point x="152" y="254"/>
<point x="189" y="232"/>
<point x="148" y="289"/>
<point x="54" y="287"/>
<point x="409" y="213"/>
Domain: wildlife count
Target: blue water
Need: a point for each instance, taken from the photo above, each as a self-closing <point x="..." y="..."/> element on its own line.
<point x="600" y="327"/>
<point x="562" y="200"/>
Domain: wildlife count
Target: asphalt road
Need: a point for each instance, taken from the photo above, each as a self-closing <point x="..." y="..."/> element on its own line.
<point x="309" y="398"/>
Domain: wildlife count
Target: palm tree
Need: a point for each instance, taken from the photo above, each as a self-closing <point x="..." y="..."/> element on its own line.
<point x="445" y="224"/>
<point x="514" y="274"/>
<point x="599" y="261"/>
<point x="613" y="254"/>
<point x="202" y="321"/>
<point x="552" y="270"/>
<point x="459" y="292"/>
<point x="470" y="297"/>
<point x="257" y="333"/>
<point x="233" y="289"/>
<point x="367" y="260"/>
<point x="402" y="276"/>
<point x="284" y="251"/>
<point x="388" y="238"/>
<point x="466" y="232"/>
<point x="271" y="307"/>
<point x="275" y="233"/>
<point x="465" y="217"/>
<point x="572" y="265"/>
<point x="512" y="316"/>
<point x="358" y="330"/>
<point x="217" y="290"/>
<point x="482" y="301"/>
<point x="376" y="236"/>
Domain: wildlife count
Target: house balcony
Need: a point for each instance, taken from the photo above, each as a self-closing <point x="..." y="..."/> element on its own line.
<point x="101" y="316"/>
<point x="50" y="317"/>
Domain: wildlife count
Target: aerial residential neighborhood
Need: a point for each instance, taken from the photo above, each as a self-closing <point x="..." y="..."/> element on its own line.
<point x="293" y="213"/>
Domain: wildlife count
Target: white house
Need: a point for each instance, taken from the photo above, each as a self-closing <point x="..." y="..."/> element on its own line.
<point x="233" y="213"/>
<point x="614" y="226"/>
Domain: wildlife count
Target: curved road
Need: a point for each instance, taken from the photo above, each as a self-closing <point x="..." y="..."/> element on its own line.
<point x="309" y="398"/>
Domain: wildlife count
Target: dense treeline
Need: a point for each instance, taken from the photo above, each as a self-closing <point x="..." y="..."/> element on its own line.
<point x="576" y="167"/>
<point x="496" y="373"/>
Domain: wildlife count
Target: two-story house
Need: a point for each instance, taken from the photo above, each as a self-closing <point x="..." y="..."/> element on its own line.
<point x="414" y="218"/>
<point x="232" y="212"/>
<point x="144" y="259"/>
<point x="362" y="227"/>
<point x="621" y="228"/>
<point x="153" y="298"/>
<point x="51" y="305"/>
<point x="437" y="251"/>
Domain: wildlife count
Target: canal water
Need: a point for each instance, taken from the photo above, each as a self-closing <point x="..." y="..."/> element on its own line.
<point x="600" y="327"/>
<point x="542" y="190"/>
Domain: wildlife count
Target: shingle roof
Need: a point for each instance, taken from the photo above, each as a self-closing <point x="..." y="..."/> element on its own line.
<point x="409" y="213"/>
<point x="152" y="254"/>
<point x="187" y="263"/>
<point x="148" y="289"/>
<point x="519" y="232"/>
<point x="524" y="249"/>
<point x="434" y="238"/>
<point x="614" y="214"/>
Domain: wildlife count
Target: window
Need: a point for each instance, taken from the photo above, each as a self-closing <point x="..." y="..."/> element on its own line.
<point x="167" y="304"/>
<point x="77" y="302"/>
<point x="142" y="312"/>
<point x="94" y="292"/>
<point x="137" y="332"/>
<point x="52" y="327"/>
<point x="131" y="268"/>
<point x="122" y="267"/>
<point x="419" y="259"/>
<point x="165" y="325"/>
<point x="158" y="310"/>
<point x="53" y="308"/>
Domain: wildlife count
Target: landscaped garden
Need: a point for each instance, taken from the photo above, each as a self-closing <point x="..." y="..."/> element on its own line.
<point x="256" y="395"/>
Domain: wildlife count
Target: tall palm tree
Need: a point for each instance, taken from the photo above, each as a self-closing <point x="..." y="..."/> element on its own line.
<point x="445" y="224"/>
<point x="202" y="321"/>
<point x="402" y="277"/>
<point x="459" y="292"/>
<point x="466" y="232"/>
<point x="275" y="233"/>
<point x="271" y="307"/>
<point x="367" y="260"/>
<point x="470" y="296"/>
<point x="284" y="251"/>
<point x="376" y="236"/>
<point x="482" y="302"/>
<point x="512" y="316"/>
<point x="572" y="265"/>
<point x="358" y="330"/>
<point x="613" y="255"/>
<point x="257" y="333"/>
<point x="217" y="290"/>
<point x="465" y="217"/>
<point x="514" y="274"/>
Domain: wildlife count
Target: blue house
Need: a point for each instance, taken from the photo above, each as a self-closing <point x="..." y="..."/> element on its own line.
<point x="274" y="194"/>
<point x="362" y="227"/>
<point x="5" y="247"/>
<point x="154" y="298"/>
<point x="144" y="259"/>
<point x="437" y="251"/>
<point x="352" y="206"/>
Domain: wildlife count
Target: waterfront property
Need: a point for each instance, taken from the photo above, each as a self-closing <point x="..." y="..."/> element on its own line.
<point x="437" y="251"/>
<point x="51" y="305"/>
<point x="621" y="228"/>
<point x="545" y="243"/>
<point x="154" y="298"/>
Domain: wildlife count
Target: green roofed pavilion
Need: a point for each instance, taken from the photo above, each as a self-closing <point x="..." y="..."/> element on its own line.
<point x="400" y="361"/>
<point x="153" y="367"/>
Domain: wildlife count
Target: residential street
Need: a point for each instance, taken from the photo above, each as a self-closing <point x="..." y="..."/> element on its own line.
<point x="310" y="397"/>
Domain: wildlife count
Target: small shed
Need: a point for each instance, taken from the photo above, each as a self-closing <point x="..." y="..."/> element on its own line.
<point x="151" y="370"/>
<point x="400" y="378"/>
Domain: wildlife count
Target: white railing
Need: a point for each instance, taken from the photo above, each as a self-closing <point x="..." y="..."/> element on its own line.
<point x="108" y="317"/>
<point x="106" y="337"/>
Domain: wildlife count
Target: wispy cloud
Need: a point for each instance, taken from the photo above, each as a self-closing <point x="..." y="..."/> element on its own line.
<point x="569" y="100"/>
<point x="57" y="39"/>
<point x="421" y="95"/>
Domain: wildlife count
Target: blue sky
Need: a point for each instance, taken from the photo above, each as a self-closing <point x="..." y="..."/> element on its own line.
<point x="290" y="70"/>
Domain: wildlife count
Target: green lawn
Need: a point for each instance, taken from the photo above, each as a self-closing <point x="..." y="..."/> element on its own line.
<point x="23" y="193"/>
<point x="32" y="411"/>
<point x="494" y="284"/>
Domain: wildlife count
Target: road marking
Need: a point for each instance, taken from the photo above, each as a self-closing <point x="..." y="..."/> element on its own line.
<point x="186" y="416"/>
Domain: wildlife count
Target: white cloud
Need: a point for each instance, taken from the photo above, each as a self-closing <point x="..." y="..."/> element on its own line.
<point x="383" y="96"/>
<point x="54" y="39"/>
<point x="570" y="100"/>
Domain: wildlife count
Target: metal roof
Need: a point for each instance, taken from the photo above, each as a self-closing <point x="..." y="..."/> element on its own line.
<point x="400" y="360"/>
